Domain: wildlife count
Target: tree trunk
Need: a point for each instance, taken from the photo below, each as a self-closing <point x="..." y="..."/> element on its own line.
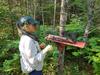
<point x="90" y="6"/>
<point x="10" y="9"/>
<point x="61" y="52"/>
<point x="42" y="16"/>
<point x="35" y="7"/>
<point x="41" y="10"/>
<point x="68" y="7"/>
<point x="27" y="10"/>
<point x="54" y="21"/>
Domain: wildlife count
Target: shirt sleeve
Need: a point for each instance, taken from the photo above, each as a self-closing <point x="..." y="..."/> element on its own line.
<point x="31" y="52"/>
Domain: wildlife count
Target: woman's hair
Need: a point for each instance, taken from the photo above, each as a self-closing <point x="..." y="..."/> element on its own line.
<point x="19" y="32"/>
<point x="22" y="29"/>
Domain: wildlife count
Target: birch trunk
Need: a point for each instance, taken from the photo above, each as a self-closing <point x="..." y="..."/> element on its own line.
<point x="55" y="1"/>
<point x="90" y="6"/>
<point x="35" y="7"/>
<point x="62" y="23"/>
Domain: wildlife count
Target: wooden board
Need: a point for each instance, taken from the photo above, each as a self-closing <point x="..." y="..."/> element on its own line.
<point x="65" y="41"/>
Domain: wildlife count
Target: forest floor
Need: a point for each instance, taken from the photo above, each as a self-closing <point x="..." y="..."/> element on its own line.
<point x="78" y="66"/>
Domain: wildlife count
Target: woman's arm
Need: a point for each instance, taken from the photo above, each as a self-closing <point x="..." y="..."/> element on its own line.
<point x="31" y="52"/>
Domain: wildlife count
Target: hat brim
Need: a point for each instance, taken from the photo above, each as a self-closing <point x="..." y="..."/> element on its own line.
<point x="34" y="22"/>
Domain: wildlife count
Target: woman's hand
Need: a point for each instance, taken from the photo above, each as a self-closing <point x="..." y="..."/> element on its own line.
<point x="50" y="47"/>
<point x="47" y="48"/>
<point x="42" y="45"/>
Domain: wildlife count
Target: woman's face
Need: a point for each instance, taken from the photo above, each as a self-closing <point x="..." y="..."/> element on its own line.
<point x="33" y="28"/>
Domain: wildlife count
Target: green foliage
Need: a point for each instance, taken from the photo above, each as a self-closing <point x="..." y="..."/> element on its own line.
<point x="96" y="67"/>
<point x="12" y="65"/>
<point x="9" y="54"/>
<point x="76" y="25"/>
<point x="80" y="5"/>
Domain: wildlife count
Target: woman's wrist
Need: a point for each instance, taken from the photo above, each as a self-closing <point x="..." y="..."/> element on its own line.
<point x="47" y="48"/>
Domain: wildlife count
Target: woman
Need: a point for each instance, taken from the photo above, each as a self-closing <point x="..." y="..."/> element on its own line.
<point x="31" y="55"/>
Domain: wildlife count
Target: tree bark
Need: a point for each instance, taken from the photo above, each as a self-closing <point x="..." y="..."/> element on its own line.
<point x="90" y="8"/>
<point x="10" y="9"/>
<point x="41" y="10"/>
<point x="61" y="51"/>
<point x="35" y="7"/>
<point x="62" y="17"/>
<point x="54" y="21"/>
